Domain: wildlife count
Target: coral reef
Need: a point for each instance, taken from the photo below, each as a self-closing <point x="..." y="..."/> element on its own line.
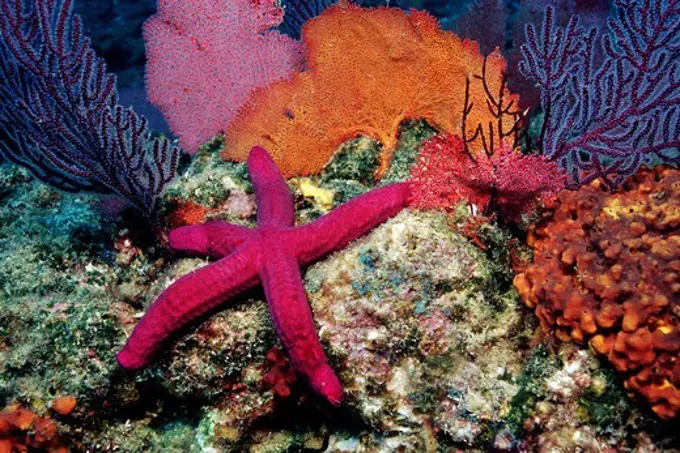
<point x="446" y="343"/>
<point x="407" y="321"/>
<point x="357" y="84"/>
<point x="606" y="271"/>
<point x="205" y="58"/>
<point x="269" y="255"/>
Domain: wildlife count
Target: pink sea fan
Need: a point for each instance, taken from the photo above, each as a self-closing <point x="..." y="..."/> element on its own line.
<point x="205" y="58"/>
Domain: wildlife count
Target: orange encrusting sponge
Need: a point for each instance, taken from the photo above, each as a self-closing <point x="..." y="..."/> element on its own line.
<point x="607" y="270"/>
<point x="368" y="71"/>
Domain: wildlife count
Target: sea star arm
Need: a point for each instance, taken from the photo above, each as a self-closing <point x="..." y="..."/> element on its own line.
<point x="215" y="239"/>
<point x="347" y="222"/>
<point x="292" y="318"/>
<point x="186" y="300"/>
<point x="274" y="202"/>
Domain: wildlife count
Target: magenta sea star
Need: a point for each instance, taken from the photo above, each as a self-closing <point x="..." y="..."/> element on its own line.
<point x="270" y="254"/>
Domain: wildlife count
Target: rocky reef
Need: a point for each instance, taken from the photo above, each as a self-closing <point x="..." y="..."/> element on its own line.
<point x="421" y="323"/>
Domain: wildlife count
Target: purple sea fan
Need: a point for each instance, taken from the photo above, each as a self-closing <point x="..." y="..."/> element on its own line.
<point x="607" y="121"/>
<point x="59" y="114"/>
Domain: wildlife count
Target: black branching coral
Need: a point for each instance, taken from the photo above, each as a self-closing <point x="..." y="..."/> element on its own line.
<point x="607" y="119"/>
<point x="59" y="111"/>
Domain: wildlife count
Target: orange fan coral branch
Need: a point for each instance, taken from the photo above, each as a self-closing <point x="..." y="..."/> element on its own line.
<point x="368" y="71"/>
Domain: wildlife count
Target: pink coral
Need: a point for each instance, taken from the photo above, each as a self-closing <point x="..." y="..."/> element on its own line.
<point x="205" y="58"/>
<point x="507" y="180"/>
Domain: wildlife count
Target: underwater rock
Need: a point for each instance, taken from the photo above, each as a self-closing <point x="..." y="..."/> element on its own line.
<point x="411" y="332"/>
<point x="57" y="323"/>
<point x="422" y="326"/>
<point x="420" y="342"/>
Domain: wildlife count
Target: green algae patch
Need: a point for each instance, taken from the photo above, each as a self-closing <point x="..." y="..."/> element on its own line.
<point x="605" y="402"/>
<point x="352" y="170"/>
<point x="208" y="179"/>
<point x="531" y="381"/>
<point x="356" y="160"/>
<point x="411" y="137"/>
<point x="59" y="331"/>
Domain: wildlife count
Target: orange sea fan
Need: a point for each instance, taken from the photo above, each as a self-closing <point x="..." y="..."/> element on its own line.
<point x="368" y="71"/>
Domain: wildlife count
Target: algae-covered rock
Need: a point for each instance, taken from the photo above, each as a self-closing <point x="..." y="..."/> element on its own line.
<point x="57" y="326"/>
<point x="421" y="324"/>
<point x="420" y="343"/>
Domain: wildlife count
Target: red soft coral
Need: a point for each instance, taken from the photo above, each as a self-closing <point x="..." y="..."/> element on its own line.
<point x="445" y="174"/>
<point x="507" y="181"/>
<point x="520" y="179"/>
<point x="205" y="58"/>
